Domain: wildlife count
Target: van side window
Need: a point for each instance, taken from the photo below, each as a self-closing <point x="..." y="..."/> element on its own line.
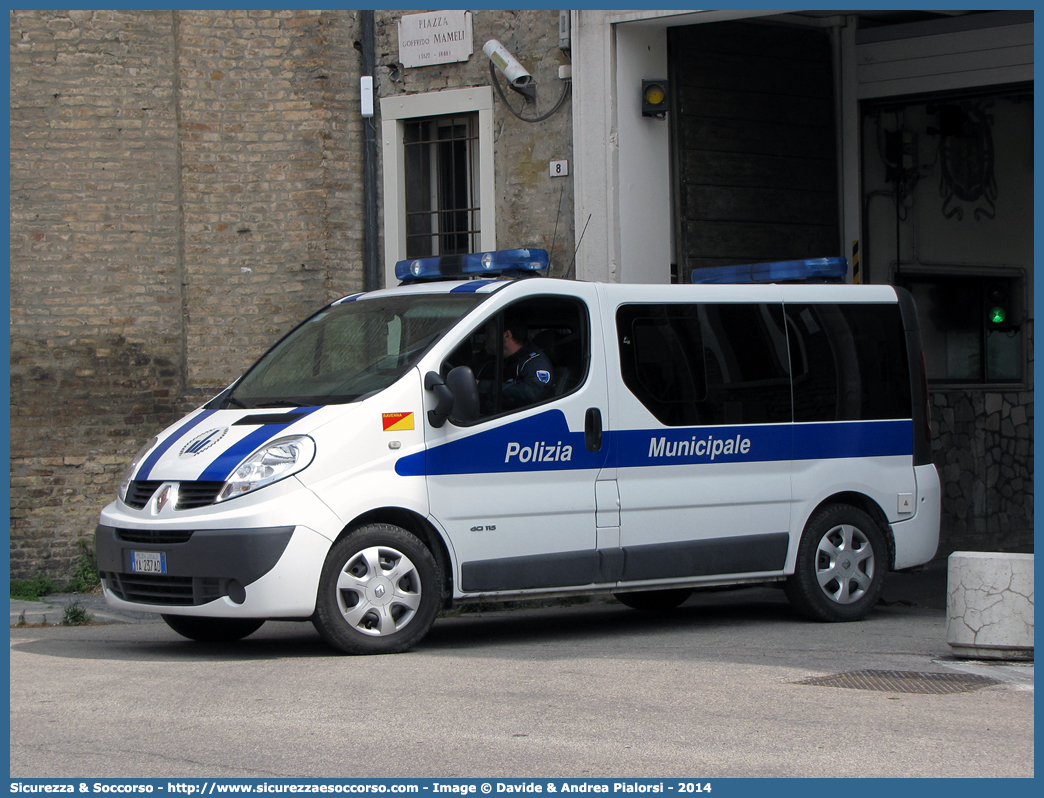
<point x="702" y="364"/>
<point x="551" y="362"/>
<point x="849" y="362"/>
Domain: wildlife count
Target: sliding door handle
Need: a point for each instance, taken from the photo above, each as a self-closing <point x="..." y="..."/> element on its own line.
<point x="593" y="429"/>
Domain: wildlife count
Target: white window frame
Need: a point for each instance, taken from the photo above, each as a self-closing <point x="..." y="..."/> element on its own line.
<point x="436" y="213"/>
<point x="395" y="110"/>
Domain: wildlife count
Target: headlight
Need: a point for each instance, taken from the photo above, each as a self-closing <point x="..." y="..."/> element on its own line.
<point x="272" y="462"/>
<point x="129" y="473"/>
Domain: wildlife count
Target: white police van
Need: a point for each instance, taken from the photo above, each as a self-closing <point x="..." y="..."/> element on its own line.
<point x="378" y="463"/>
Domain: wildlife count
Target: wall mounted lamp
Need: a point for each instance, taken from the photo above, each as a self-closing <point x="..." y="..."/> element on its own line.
<point x="655" y="100"/>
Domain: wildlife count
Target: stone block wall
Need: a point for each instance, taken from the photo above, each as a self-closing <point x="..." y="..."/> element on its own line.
<point x="983" y="450"/>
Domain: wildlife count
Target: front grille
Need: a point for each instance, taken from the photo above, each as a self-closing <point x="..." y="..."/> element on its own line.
<point x="140" y="492"/>
<point x="154" y="536"/>
<point x="197" y="494"/>
<point x="190" y="494"/>
<point x="172" y="591"/>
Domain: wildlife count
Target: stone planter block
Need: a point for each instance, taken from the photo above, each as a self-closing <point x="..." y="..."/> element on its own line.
<point x="989" y="606"/>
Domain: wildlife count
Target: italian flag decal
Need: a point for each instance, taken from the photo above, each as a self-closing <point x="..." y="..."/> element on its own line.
<point x="397" y="422"/>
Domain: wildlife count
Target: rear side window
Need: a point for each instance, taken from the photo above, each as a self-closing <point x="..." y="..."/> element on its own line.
<point x="701" y="364"/>
<point x="849" y="362"/>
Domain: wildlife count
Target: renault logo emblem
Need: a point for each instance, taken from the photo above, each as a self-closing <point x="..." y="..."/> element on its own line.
<point x="379" y="591"/>
<point x="168" y="495"/>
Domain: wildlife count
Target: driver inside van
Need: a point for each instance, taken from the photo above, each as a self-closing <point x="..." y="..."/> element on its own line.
<point x="527" y="370"/>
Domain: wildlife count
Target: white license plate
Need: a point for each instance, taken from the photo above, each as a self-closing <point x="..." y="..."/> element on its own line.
<point x="148" y="562"/>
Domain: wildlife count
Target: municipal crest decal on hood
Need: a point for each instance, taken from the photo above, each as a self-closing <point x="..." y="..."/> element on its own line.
<point x="202" y="442"/>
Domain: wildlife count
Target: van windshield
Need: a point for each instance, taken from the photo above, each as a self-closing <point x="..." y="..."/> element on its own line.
<point x="348" y="351"/>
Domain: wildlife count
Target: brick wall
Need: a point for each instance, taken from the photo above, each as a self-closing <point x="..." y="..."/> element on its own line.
<point x="259" y="93"/>
<point x="185" y="186"/>
<point x="94" y="265"/>
<point x="183" y="189"/>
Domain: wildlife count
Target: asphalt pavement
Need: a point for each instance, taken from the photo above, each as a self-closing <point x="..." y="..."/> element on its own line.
<point x="921" y="589"/>
<point x="731" y="684"/>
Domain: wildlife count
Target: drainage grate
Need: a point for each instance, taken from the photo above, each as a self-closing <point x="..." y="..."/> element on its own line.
<point x="904" y="681"/>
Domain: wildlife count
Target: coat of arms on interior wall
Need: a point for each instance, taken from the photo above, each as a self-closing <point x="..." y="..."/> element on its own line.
<point x="967" y="157"/>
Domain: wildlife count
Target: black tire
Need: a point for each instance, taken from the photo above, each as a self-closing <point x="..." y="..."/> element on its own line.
<point x="379" y="591"/>
<point x="841" y="564"/>
<point x="213" y="630"/>
<point x="654" y="600"/>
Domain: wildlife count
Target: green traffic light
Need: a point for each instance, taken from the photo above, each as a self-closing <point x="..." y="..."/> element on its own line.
<point x="997" y="315"/>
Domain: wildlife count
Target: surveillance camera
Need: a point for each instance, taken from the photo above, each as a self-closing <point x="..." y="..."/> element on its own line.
<point x="506" y="63"/>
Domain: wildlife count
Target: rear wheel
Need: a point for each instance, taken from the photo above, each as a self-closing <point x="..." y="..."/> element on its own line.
<point x="653" y="600"/>
<point x="841" y="565"/>
<point x="213" y="630"/>
<point x="379" y="591"/>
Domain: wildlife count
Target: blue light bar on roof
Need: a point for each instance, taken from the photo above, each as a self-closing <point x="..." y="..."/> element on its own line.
<point x="517" y="262"/>
<point x="813" y="270"/>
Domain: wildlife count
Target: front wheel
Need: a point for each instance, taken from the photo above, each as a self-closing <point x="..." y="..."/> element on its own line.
<point x="841" y="565"/>
<point x="379" y="591"/>
<point x="213" y="630"/>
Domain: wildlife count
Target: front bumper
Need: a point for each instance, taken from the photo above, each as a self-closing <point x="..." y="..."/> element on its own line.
<point x="201" y="566"/>
<point x="268" y="572"/>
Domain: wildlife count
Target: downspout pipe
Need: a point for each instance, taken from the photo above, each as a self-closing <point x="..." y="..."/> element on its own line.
<point x="371" y="273"/>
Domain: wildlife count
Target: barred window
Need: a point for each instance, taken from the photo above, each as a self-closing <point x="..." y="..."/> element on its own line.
<point x="442" y="194"/>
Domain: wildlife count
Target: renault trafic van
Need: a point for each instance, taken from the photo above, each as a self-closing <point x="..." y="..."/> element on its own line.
<point x="472" y="435"/>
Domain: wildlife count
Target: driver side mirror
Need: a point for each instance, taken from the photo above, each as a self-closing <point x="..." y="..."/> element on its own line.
<point x="456" y="397"/>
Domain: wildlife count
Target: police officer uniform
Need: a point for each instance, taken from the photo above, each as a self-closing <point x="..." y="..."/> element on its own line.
<point x="527" y="378"/>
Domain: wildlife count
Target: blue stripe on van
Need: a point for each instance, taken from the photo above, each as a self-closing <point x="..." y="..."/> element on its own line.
<point x="544" y="443"/>
<point x="762" y="443"/>
<point x="836" y="439"/>
<point x="146" y="467"/>
<point x="471" y="286"/>
<point x="538" y="443"/>
<point x="225" y="463"/>
<point x="696" y="445"/>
